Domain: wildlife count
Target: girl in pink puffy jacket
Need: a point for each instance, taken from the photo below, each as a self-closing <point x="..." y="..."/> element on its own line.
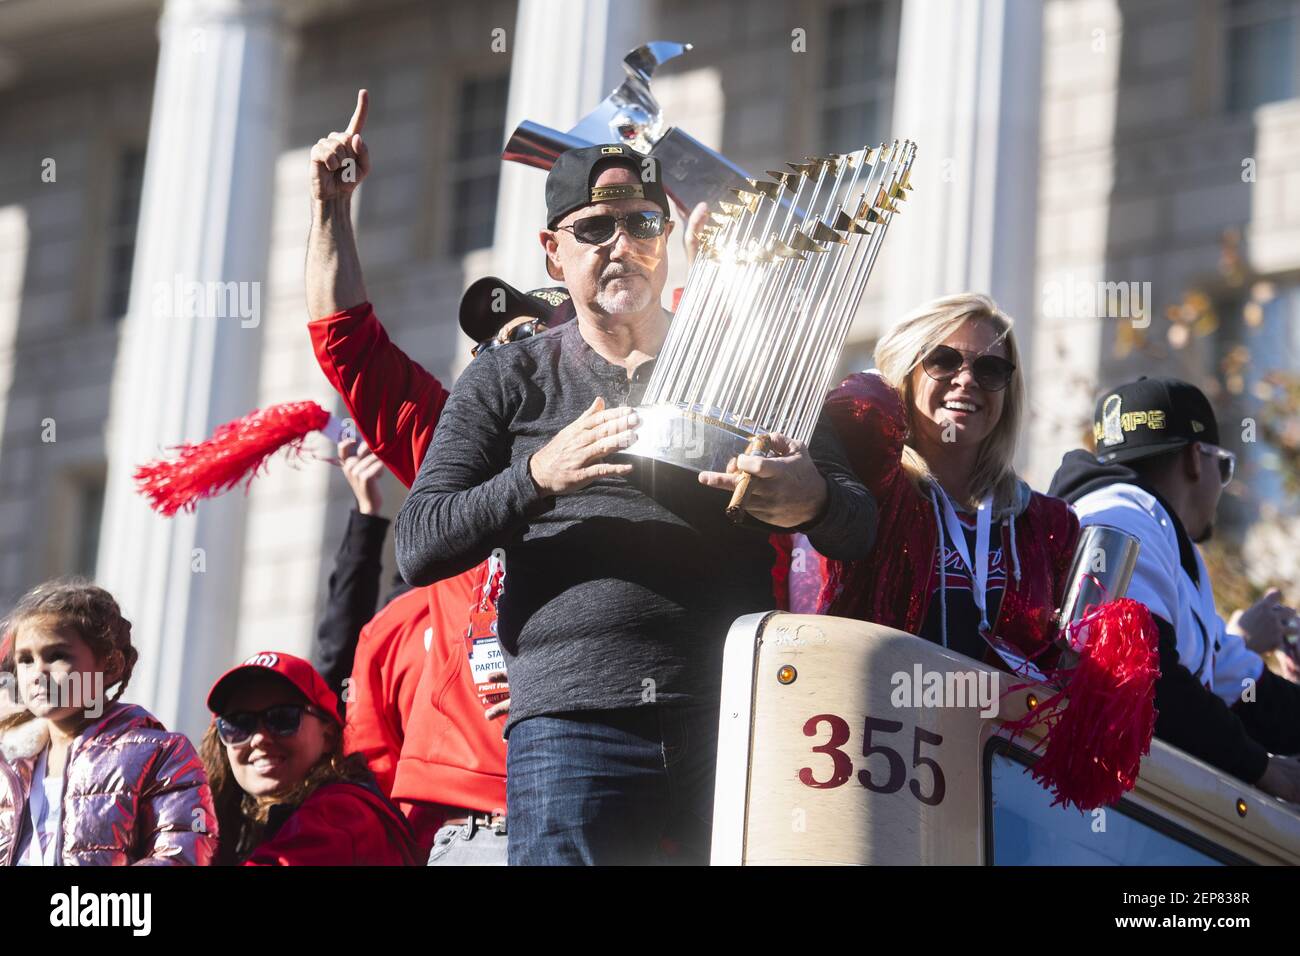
<point x="84" y="779"/>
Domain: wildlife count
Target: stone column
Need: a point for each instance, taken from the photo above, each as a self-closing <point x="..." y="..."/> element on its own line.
<point x="968" y="92"/>
<point x="191" y="342"/>
<point x="562" y="67"/>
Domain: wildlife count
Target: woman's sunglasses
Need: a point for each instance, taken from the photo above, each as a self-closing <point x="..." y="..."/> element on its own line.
<point x="992" y="372"/>
<point x="281" y="720"/>
<point x="1227" y="461"/>
<point x="524" y="330"/>
<point x="599" y="229"/>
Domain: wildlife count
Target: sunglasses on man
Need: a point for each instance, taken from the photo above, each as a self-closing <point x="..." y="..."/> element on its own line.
<point x="597" y="230"/>
<point x="1227" y="461"/>
<point x="524" y="330"/>
<point x="991" y="372"/>
<point x="281" y="720"/>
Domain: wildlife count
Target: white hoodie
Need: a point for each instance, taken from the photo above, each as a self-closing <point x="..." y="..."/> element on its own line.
<point x="1219" y="658"/>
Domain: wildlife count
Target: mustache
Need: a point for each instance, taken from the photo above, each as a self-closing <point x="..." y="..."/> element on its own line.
<point x="619" y="272"/>
<point x="633" y="263"/>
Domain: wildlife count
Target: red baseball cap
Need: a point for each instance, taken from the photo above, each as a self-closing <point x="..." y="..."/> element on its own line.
<point x="297" y="672"/>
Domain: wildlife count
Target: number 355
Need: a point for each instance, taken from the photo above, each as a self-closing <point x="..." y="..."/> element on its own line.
<point x="842" y="764"/>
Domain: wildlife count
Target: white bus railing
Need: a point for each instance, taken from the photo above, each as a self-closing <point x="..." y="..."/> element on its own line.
<point x="842" y="742"/>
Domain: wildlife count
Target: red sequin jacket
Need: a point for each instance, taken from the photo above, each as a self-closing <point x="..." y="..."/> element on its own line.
<point x="893" y="586"/>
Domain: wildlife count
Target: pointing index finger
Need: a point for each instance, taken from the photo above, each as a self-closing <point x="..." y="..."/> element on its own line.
<point x="359" y="114"/>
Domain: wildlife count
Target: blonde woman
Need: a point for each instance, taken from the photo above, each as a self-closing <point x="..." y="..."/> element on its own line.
<point x="966" y="554"/>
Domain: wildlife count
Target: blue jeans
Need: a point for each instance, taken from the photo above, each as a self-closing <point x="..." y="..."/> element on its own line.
<point x="612" y="787"/>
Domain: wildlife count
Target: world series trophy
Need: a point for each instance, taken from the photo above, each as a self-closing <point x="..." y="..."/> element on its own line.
<point x="692" y="173"/>
<point x="766" y="309"/>
<point x="769" y="301"/>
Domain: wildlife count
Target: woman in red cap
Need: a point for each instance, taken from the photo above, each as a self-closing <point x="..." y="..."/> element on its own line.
<point x="284" y="791"/>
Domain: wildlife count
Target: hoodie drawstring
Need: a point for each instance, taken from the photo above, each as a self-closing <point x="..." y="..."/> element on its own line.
<point x="1015" y="556"/>
<point x="943" y="572"/>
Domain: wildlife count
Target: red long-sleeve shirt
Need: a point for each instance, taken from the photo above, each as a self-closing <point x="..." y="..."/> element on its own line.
<point x="394" y="401"/>
<point x="445" y="751"/>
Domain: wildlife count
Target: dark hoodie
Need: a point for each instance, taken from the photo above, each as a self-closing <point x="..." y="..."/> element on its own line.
<point x="1236" y="740"/>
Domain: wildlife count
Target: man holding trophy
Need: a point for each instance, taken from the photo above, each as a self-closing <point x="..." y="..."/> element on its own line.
<point x="621" y="580"/>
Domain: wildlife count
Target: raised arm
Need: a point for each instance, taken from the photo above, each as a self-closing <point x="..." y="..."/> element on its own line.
<point x="353" y="591"/>
<point x="339" y="162"/>
<point x="394" y="402"/>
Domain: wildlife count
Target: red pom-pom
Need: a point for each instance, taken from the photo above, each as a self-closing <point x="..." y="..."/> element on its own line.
<point x="1099" y="726"/>
<point x="235" y="452"/>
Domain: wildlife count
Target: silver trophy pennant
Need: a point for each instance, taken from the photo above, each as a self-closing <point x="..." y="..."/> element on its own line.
<point x="692" y="172"/>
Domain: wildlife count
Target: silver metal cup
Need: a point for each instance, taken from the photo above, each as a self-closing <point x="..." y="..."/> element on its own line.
<point x="692" y="172"/>
<point x="1101" y="571"/>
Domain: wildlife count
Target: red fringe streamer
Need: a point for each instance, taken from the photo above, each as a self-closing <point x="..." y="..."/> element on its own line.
<point x="1099" y="726"/>
<point x="236" y="452"/>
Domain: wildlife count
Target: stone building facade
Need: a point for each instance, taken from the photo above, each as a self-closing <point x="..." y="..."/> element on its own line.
<point x="1065" y="146"/>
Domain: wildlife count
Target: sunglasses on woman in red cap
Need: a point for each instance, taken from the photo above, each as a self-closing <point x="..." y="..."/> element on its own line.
<point x="281" y="720"/>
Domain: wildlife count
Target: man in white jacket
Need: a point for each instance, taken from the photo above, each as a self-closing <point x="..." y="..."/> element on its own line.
<point x="1158" y="474"/>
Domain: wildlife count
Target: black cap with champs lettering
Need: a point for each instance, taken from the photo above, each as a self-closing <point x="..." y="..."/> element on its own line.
<point x="569" y="183"/>
<point x="1150" y="416"/>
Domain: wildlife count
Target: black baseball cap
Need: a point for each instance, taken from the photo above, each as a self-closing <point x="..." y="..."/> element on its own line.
<point x="490" y="303"/>
<point x="569" y="183"/>
<point x="1151" y="416"/>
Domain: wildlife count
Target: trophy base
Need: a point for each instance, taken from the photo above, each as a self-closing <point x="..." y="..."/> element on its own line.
<point x="687" y="439"/>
